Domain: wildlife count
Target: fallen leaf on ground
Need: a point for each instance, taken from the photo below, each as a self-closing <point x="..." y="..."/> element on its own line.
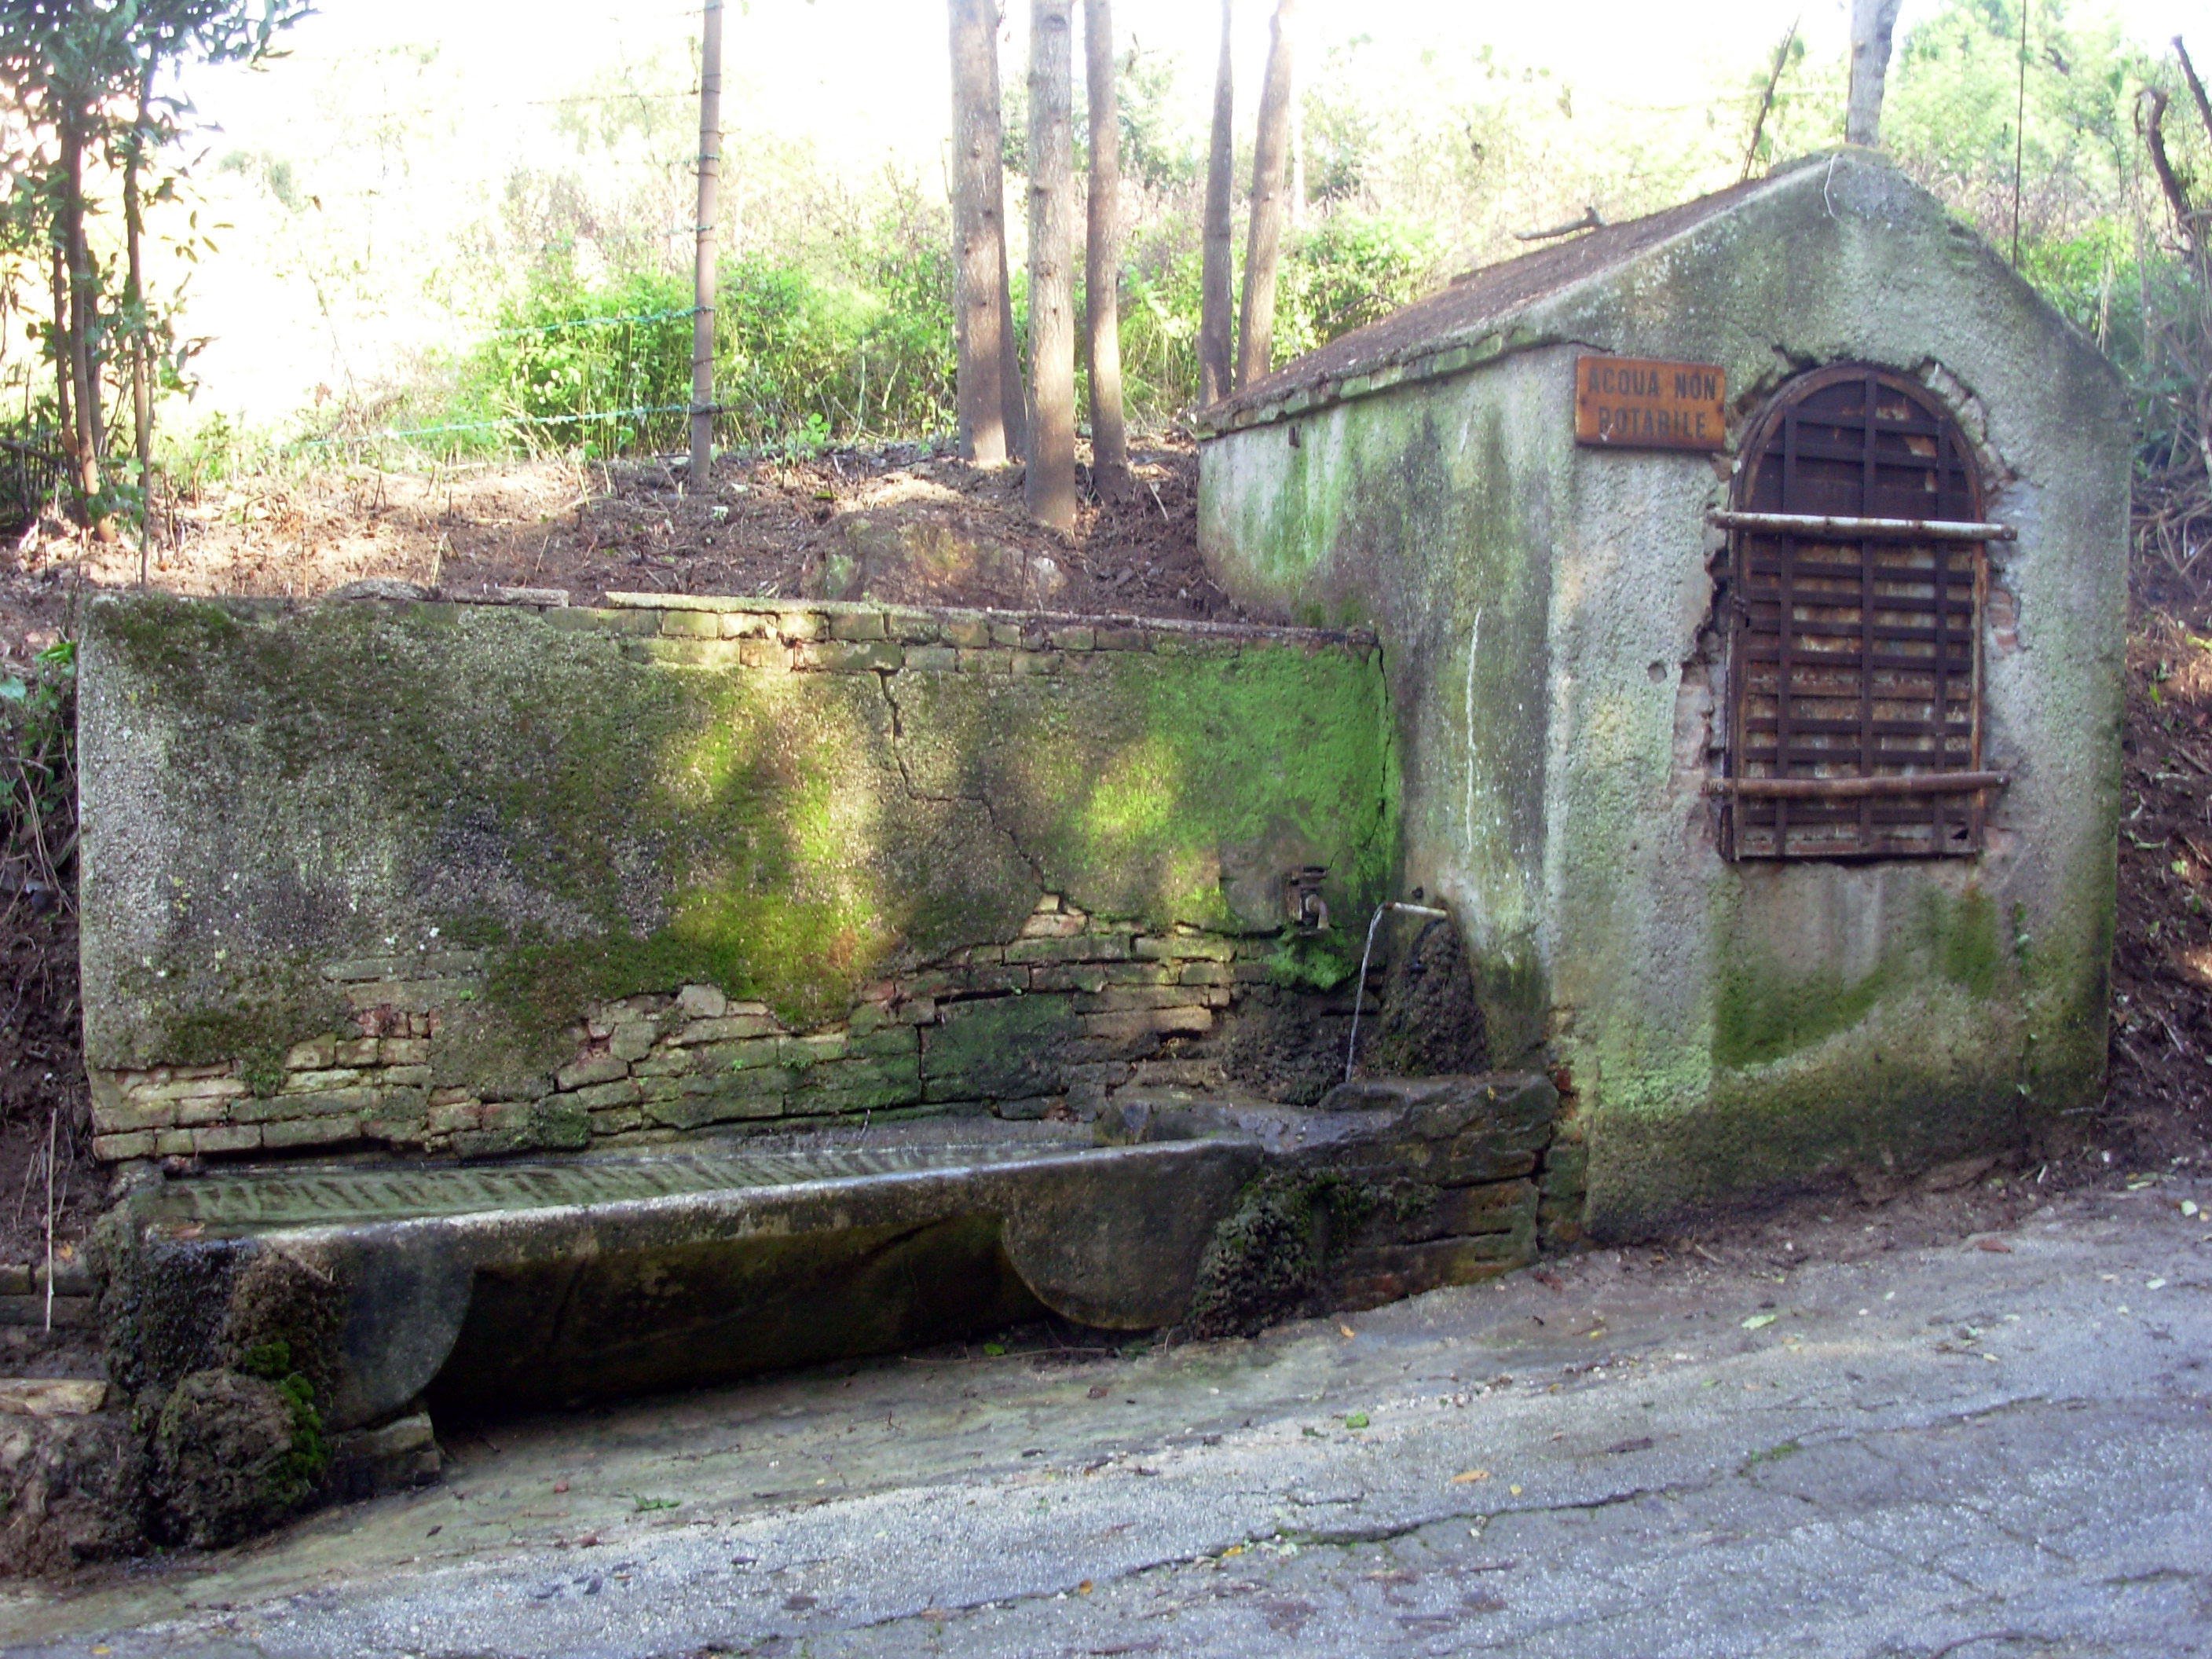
<point x="1758" y="1322"/>
<point x="1346" y="1331"/>
<point x="1356" y="1420"/>
<point x="1464" y="1476"/>
<point x="1994" y="1246"/>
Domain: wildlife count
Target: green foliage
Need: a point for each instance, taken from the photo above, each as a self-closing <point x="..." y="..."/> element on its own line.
<point x="38" y="773"/>
<point x="1347" y="270"/>
<point x="86" y="84"/>
<point x="803" y="355"/>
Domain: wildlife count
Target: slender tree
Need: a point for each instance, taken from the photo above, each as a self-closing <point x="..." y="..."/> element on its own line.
<point x="1873" y="22"/>
<point x="979" y="232"/>
<point x="1215" y="319"/>
<point x="1049" y="484"/>
<point x="1264" y="239"/>
<point x="79" y="76"/>
<point x="1109" y="444"/>
<point x="1012" y="402"/>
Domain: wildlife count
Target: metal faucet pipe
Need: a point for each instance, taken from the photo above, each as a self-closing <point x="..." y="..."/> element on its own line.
<point x="1352" y="1048"/>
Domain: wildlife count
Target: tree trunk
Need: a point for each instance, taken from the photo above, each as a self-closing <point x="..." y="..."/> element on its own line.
<point x="1049" y="484"/>
<point x="1215" y="321"/>
<point x="1296" y="215"/>
<point x="1013" y="403"/>
<point x="1872" y="23"/>
<point x="80" y="309"/>
<point x="979" y="238"/>
<point x="64" y="367"/>
<point x="1102" y="264"/>
<point x="699" y="475"/>
<point x="83" y="289"/>
<point x="1256" y="326"/>
<point x="142" y="385"/>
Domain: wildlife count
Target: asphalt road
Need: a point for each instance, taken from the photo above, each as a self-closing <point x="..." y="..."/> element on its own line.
<point x="1876" y="1431"/>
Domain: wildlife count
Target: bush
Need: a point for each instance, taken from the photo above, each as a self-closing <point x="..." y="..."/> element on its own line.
<point x="801" y="356"/>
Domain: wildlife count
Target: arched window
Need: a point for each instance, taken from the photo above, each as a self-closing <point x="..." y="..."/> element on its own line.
<point x="1858" y="568"/>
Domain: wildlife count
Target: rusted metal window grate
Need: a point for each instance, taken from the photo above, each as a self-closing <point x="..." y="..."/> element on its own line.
<point x="1856" y="646"/>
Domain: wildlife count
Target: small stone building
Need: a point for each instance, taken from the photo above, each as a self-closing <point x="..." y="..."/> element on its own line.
<point x="1750" y="581"/>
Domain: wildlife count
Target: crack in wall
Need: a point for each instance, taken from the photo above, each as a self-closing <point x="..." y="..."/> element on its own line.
<point x="915" y="792"/>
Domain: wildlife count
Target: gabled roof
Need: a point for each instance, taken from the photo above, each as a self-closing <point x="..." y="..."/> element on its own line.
<point x="1476" y="304"/>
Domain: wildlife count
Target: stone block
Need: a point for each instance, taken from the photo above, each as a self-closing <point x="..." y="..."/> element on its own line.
<point x="1084" y="947"/>
<point x="315" y="1054"/>
<point x="453" y="1119"/>
<point x="918" y="1011"/>
<point x="297" y="1132"/>
<point x="969" y="633"/>
<point x="850" y="656"/>
<point x="334" y="1103"/>
<point x="812" y="1050"/>
<point x="690" y="625"/>
<point x="173" y="1143"/>
<point x="763" y="653"/>
<point x="932" y="658"/>
<point x="1005" y="1049"/>
<point x="757" y="1054"/>
<point x="1369" y="1278"/>
<point x="890" y="1041"/>
<point x="987" y="662"/>
<point x="198" y="1114"/>
<point x="620" y="1121"/>
<point x="1186" y="947"/>
<point x="353" y="1052"/>
<point x="600" y="1096"/>
<point x="1149" y="1022"/>
<point x="729" y="1028"/>
<point x="1036" y="662"/>
<point x="857" y="625"/>
<point x="669" y="1062"/>
<point x="312" y="1083"/>
<point x="691" y="1111"/>
<point x="1121" y="639"/>
<point x="111" y="1148"/>
<point x="406" y="1051"/>
<point x="578" y="619"/>
<point x="592" y="1068"/>
<point x="227" y="1138"/>
<point x="1072" y="639"/>
<point x="1006" y="634"/>
<point x="632" y="1041"/>
<point x="916" y="627"/>
<point x="132" y="1116"/>
<point x="1122" y="997"/>
<point x="702" y="1002"/>
<point x="1205" y="972"/>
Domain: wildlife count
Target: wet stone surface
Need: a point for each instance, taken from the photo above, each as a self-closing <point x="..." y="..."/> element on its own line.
<point x="1883" y="1431"/>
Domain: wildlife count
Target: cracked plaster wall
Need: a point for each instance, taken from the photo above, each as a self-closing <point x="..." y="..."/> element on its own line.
<point x="484" y="879"/>
<point x="1547" y="613"/>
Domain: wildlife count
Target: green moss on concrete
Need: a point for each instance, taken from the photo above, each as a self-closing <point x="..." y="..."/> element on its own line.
<point x="1764" y="1011"/>
<point x="381" y="783"/>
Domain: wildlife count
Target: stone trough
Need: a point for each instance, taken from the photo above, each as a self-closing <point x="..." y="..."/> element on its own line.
<point x="540" y="1283"/>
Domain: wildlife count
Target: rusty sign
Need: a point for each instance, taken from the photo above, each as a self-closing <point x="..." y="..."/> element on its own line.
<point x="1634" y="403"/>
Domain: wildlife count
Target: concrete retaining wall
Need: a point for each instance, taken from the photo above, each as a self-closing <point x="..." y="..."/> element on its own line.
<point x="479" y="879"/>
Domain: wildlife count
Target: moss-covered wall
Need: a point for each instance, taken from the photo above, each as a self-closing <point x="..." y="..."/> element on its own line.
<point x="491" y="878"/>
<point x="1548" y="617"/>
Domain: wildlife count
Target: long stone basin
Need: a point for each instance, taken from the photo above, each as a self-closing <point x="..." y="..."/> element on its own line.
<point x="545" y="1283"/>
